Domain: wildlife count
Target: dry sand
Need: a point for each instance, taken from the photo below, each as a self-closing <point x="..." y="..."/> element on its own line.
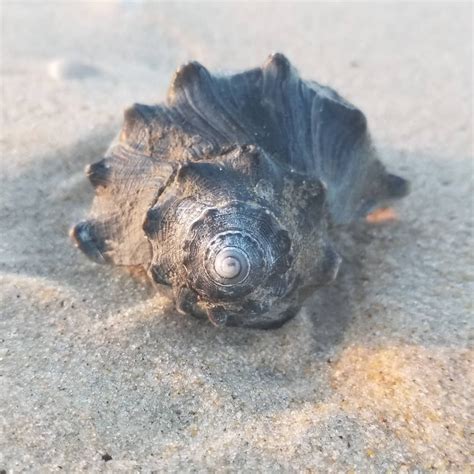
<point x="373" y="375"/>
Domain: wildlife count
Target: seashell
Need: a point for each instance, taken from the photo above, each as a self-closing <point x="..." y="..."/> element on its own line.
<point x="225" y="193"/>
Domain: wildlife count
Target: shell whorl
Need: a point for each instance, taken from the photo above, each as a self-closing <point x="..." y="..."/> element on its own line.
<point x="244" y="241"/>
<point x="218" y="239"/>
<point x="231" y="265"/>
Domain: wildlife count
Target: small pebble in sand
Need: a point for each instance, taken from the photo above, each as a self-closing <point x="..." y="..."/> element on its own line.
<point x="63" y="69"/>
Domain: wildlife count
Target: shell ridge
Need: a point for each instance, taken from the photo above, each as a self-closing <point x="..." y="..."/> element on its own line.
<point x="195" y="124"/>
<point x="272" y="98"/>
<point x="195" y="94"/>
<point x="199" y="139"/>
<point x="300" y="109"/>
<point x="247" y="90"/>
<point x="232" y="111"/>
<point x="203" y="95"/>
<point x="222" y="87"/>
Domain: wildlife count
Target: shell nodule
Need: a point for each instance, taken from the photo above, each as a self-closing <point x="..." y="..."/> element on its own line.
<point x="224" y="192"/>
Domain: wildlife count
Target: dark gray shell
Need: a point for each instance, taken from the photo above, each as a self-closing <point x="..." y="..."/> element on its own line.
<point x="224" y="194"/>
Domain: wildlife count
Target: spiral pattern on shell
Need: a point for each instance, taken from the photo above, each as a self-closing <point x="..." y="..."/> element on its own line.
<point x="233" y="250"/>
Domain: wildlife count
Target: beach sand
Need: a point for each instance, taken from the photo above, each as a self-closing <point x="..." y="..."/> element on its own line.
<point x="99" y="373"/>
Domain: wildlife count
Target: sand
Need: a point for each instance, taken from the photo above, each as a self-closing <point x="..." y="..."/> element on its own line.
<point x="99" y="373"/>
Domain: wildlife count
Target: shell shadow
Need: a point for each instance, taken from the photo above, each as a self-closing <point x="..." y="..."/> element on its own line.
<point x="114" y="311"/>
<point x="332" y="308"/>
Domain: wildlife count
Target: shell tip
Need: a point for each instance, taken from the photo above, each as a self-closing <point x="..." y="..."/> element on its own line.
<point x="396" y="186"/>
<point x="98" y="173"/>
<point x="278" y="61"/>
<point x="83" y="236"/>
<point x="185" y="75"/>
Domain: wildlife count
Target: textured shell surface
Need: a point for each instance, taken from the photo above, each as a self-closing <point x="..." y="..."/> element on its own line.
<point x="224" y="194"/>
